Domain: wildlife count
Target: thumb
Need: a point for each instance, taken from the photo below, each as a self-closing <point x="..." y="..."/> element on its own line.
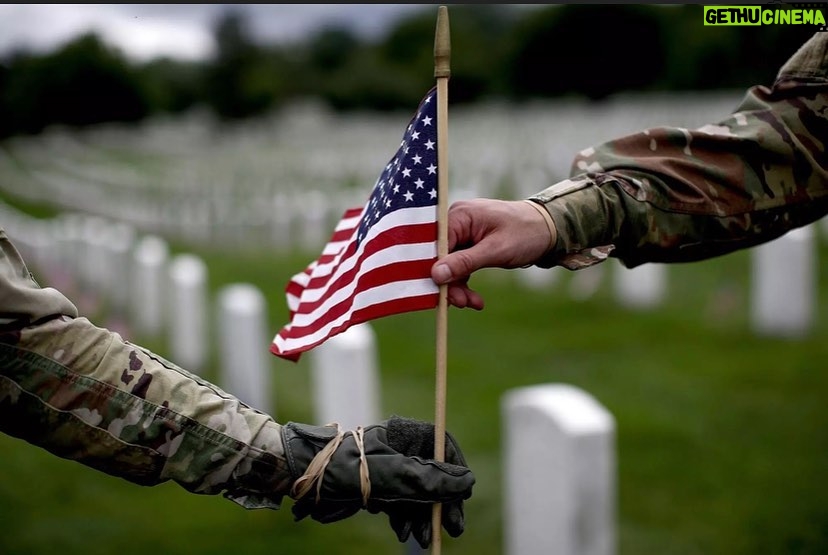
<point x="461" y="264"/>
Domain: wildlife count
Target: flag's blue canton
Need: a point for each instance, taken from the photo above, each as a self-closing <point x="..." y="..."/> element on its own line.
<point x="410" y="178"/>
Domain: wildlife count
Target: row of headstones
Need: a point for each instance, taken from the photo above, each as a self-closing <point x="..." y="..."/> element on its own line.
<point x="784" y="285"/>
<point x="142" y="291"/>
<point x="285" y="221"/>
<point x="191" y="201"/>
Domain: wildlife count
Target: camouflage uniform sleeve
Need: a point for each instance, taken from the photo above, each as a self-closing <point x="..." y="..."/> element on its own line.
<point x="22" y="300"/>
<point x="673" y="194"/>
<point x="83" y="393"/>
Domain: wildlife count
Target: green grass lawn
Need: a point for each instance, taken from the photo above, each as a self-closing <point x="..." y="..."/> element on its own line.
<point x="721" y="435"/>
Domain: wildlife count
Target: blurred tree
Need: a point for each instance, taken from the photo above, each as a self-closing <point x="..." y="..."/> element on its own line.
<point x="409" y="49"/>
<point x="396" y="72"/>
<point x="83" y="83"/>
<point x="6" y="123"/>
<point x="716" y="57"/>
<point x="497" y="50"/>
<point x="242" y="80"/>
<point x="593" y="50"/>
<point x="332" y="48"/>
<point x="479" y="41"/>
<point x="172" y="85"/>
<point x="367" y="83"/>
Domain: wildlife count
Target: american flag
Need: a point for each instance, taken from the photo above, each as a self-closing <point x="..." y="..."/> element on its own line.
<point x="378" y="260"/>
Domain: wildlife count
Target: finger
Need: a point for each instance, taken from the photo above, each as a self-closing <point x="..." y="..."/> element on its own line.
<point x="462" y="296"/>
<point x="323" y="511"/>
<point x="453" y="518"/>
<point x="330" y="514"/>
<point x="401" y="524"/>
<point x="302" y="509"/>
<point x="421" y="529"/>
<point x="459" y="265"/>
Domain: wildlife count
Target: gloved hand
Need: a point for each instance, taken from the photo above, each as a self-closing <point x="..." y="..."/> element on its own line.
<point x="405" y="480"/>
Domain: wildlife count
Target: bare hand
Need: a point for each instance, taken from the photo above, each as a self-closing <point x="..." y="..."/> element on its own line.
<point x="488" y="233"/>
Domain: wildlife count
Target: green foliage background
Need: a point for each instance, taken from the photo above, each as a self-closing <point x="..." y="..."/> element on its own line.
<point x="588" y="50"/>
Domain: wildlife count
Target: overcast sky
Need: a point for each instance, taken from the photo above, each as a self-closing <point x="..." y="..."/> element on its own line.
<point x="144" y="31"/>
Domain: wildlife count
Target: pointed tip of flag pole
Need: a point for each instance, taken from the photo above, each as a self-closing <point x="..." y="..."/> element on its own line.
<point x="442" y="44"/>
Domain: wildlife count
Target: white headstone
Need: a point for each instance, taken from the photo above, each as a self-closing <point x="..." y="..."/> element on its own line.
<point x="559" y="472"/>
<point x="641" y="287"/>
<point x="783" y="287"/>
<point x="72" y="258"/>
<point x="188" y="316"/>
<point x="98" y="268"/>
<point x="244" y="345"/>
<point x="345" y="378"/>
<point x="315" y="230"/>
<point x="119" y="257"/>
<point x="149" y="283"/>
<point x="587" y="281"/>
<point x="538" y="279"/>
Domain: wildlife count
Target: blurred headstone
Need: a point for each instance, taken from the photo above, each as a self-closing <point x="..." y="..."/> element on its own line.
<point x="69" y="240"/>
<point x="784" y="285"/>
<point x="243" y="343"/>
<point x="538" y="279"/>
<point x="345" y="378"/>
<point x="315" y="230"/>
<point x="641" y="287"/>
<point x="149" y="285"/>
<point x="98" y="268"/>
<point x="586" y="282"/>
<point x="281" y="222"/>
<point x="559" y="472"/>
<point x="188" y="316"/>
<point x="119" y="247"/>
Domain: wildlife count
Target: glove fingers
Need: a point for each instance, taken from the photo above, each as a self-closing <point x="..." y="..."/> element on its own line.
<point x="323" y="511"/>
<point x="421" y="528"/>
<point x="415" y="519"/>
<point x="452" y="521"/>
<point x="453" y="518"/>
<point x="301" y="509"/>
<point x="401" y="524"/>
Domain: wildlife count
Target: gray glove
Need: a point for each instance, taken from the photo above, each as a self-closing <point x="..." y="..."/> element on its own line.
<point x="405" y="481"/>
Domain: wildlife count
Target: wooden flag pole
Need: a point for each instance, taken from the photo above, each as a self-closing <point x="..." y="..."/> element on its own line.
<point x="442" y="72"/>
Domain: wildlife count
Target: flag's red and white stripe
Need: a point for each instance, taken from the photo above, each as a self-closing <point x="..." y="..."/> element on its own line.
<point x="348" y="285"/>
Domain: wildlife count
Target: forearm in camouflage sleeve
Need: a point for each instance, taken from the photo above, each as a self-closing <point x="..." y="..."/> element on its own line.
<point x="672" y="194"/>
<point x="83" y="393"/>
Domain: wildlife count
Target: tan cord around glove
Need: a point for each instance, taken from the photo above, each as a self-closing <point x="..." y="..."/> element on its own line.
<point x="316" y="469"/>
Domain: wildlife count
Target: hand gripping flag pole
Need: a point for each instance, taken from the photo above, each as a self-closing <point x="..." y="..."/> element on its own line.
<point x="442" y="72"/>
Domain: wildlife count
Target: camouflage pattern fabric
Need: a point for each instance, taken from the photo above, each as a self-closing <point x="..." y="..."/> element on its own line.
<point x="83" y="393"/>
<point x="673" y="195"/>
<point x="21" y="298"/>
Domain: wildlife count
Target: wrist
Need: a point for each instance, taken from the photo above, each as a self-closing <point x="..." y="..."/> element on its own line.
<point x="550" y="226"/>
